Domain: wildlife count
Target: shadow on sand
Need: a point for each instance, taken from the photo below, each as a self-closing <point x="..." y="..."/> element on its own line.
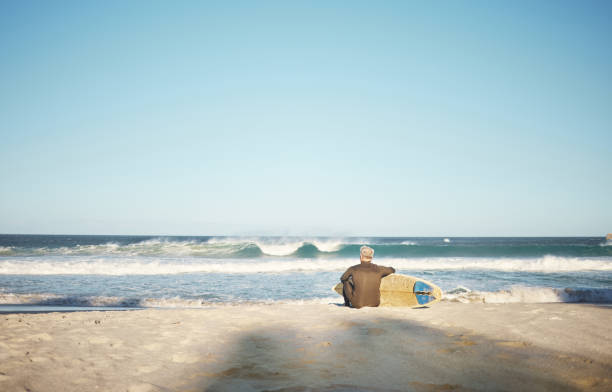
<point x="391" y="355"/>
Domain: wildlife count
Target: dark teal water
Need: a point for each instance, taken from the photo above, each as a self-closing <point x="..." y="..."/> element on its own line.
<point x="245" y="247"/>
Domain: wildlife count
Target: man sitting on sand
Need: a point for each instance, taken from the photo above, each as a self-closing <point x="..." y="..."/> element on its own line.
<point x="361" y="282"/>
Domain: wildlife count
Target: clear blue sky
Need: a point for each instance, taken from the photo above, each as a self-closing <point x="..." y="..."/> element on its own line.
<point x="430" y="118"/>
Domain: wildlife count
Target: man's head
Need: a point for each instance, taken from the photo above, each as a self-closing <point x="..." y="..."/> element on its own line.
<point x="366" y="254"/>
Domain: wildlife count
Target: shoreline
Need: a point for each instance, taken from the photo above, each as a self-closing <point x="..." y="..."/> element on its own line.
<point x="35" y="308"/>
<point x="38" y="309"/>
<point x="450" y="346"/>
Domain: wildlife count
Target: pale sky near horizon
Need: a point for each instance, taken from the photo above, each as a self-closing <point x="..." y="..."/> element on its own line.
<point x="438" y="118"/>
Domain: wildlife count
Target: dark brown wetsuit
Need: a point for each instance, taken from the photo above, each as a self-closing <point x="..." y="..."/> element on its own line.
<point x="362" y="284"/>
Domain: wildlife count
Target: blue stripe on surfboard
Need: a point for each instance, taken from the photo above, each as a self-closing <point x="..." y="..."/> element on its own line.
<point x="424" y="299"/>
<point x="422" y="286"/>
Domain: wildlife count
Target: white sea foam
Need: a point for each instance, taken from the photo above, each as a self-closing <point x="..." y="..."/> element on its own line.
<point x="6" y="250"/>
<point x="161" y="266"/>
<point x="540" y="264"/>
<point x="157" y="267"/>
<point x="286" y="248"/>
<point x="144" y="248"/>
<point x="522" y="294"/>
<point x="329" y="246"/>
<point x="279" y="249"/>
<point x="412" y="243"/>
<point x="517" y="294"/>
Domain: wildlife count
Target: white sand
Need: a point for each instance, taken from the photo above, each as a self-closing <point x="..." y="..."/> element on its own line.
<point x="450" y="346"/>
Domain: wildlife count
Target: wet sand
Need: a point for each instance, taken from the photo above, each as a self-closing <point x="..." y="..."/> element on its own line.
<point x="448" y="347"/>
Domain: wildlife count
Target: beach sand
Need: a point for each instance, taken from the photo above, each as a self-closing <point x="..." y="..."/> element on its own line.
<point x="320" y="347"/>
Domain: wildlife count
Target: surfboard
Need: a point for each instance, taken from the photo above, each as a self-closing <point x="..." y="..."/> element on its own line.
<point x="404" y="290"/>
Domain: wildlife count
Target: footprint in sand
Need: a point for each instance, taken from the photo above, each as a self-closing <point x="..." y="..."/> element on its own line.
<point x="185" y="358"/>
<point x="40" y="337"/>
<point x="81" y="380"/>
<point x="376" y="331"/>
<point x="153" y="346"/>
<point x="19" y="340"/>
<point x="505" y="356"/>
<point x="98" y="340"/>
<point x="77" y="362"/>
<point x="350" y="324"/>
<point x="142" y="388"/>
<point x="447" y="350"/>
<point x="535" y="311"/>
<point x="515" y="344"/>
<point x="146" y="369"/>
<point x="591" y="382"/>
<point x="116" y="343"/>
<point x="465" y="342"/>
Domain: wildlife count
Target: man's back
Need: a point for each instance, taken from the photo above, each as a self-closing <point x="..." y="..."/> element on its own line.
<point x="365" y="283"/>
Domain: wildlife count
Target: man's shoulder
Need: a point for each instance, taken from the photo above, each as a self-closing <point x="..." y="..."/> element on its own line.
<point x="381" y="267"/>
<point x="352" y="268"/>
<point x="365" y="266"/>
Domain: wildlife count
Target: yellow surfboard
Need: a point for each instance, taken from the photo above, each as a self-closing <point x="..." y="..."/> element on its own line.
<point x="404" y="290"/>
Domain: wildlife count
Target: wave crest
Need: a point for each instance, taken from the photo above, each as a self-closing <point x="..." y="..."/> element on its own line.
<point x="282" y="246"/>
<point x="213" y="247"/>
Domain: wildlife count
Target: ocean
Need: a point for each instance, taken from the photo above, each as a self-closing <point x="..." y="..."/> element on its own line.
<point x="46" y="272"/>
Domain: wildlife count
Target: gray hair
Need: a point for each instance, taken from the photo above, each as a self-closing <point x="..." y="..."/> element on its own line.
<point x="366" y="253"/>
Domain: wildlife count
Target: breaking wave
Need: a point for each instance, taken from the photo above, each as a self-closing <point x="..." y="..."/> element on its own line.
<point x="282" y="246"/>
<point x="310" y="247"/>
<point x="213" y="247"/>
